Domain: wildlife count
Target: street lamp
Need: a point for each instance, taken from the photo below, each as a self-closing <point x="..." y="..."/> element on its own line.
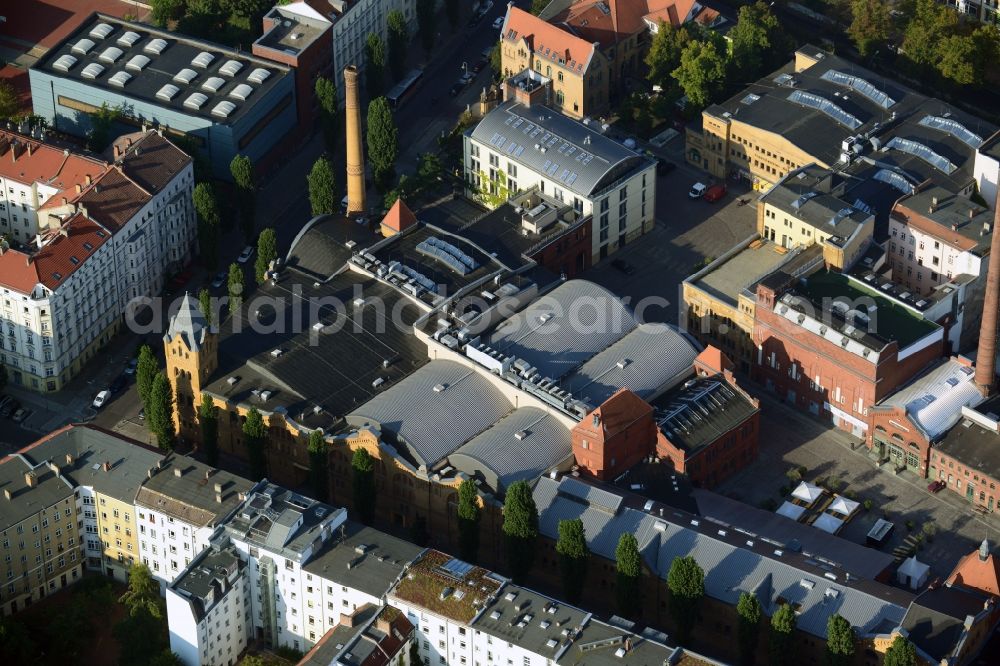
<point x="465" y="68"/>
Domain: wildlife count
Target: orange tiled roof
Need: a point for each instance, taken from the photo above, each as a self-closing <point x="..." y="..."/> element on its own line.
<point x="399" y="217"/>
<point x="547" y="40"/>
<point x="113" y="199"/>
<point x="621" y="409"/>
<point x="979" y="570"/>
<point x="713" y="358"/>
<point x="609" y="21"/>
<point x="43" y="163"/>
<point x="62" y="254"/>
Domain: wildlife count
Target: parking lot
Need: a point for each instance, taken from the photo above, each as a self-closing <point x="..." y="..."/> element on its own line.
<point x="790" y="439"/>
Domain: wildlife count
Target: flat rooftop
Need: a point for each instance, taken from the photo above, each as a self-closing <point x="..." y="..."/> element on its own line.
<point x="324" y="246"/>
<point x="447" y="586"/>
<point x="365" y="345"/>
<point x="744" y="269"/>
<point x="699" y="412"/>
<point x="890" y="321"/>
<point x="291" y="32"/>
<point x="208" y="578"/>
<point x="532" y="621"/>
<point x="141" y="62"/>
<point x="974" y="444"/>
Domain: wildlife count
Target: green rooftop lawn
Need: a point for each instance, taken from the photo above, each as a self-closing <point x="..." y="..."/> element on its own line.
<point x="891" y="322"/>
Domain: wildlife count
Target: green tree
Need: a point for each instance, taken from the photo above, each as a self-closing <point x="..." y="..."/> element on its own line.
<point x="427" y="23"/>
<point x="267" y="251"/>
<point x="986" y="39"/>
<point x="166" y="658"/>
<point x="398" y="43"/>
<point x="160" y="412"/>
<point x="374" y="65"/>
<point x="363" y="485"/>
<point x="468" y="521"/>
<point x="16" y="643"/>
<point x="383" y="142"/>
<point x="573" y="558"/>
<point x="930" y="26"/>
<point x="145" y="373"/>
<point x="206" y="206"/>
<point x="665" y="54"/>
<point x="496" y="62"/>
<point x="236" y="287"/>
<point x="318" y="473"/>
<point x="452" y="11"/>
<point x="628" y="565"/>
<point x="143" y="592"/>
<point x="329" y="112"/>
<point x="254" y="660"/>
<point x="748" y="609"/>
<point x="255" y="437"/>
<point x="322" y="187"/>
<point x="205" y="305"/>
<point x="101" y="123"/>
<point x="870" y="25"/>
<point x="840" y="641"/>
<point x="243" y="175"/>
<point x="208" y="421"/>
<point x="900" y="653"/>
<point x="757" y="42"/>
<point x="429" y="170"/>
<point x="701" y="73"/>
<point x="520" y="529"/>
<point x="250" y="10"/>
<point x="8" y="101"/>
<point x="686" y="582"/>
<point x="162" y="11"/>
<point x="538" y="6"/>
<point x="405" y="189"/>
<point x="780" y="641"/>
<point x="140" y="638"/>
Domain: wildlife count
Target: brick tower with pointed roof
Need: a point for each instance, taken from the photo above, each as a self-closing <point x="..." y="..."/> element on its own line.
<point x="191" y="348"/>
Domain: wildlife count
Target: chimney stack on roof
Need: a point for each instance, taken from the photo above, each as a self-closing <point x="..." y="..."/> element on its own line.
<point x="6" y="493"/>
<point x="79" y="189"/>
<point x="117" y="151"/>
<point x="986" y="355"/>
<point x="177" y="472"/>
<point x="69" y="459"/>
<point x="30" y="479"/>
<point x="106" y="466"/>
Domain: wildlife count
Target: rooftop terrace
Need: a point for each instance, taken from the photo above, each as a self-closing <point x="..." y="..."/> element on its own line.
<point x="447" y="586"/>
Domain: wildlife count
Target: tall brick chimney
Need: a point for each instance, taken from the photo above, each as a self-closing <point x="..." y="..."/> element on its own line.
<point x="355" y="151"/>
<point x="986" y="356"/>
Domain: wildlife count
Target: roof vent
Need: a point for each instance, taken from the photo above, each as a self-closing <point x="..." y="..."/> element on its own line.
<point x="232" y="380"/>
<point x="178" y="472"/>
<point x="622" y="363"/>
<point x="439" y="388"/>
<point x="521" y="435"/>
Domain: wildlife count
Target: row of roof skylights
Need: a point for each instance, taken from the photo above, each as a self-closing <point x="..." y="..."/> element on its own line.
<point x="824" y="105"/>
<point x="861" y="85"/>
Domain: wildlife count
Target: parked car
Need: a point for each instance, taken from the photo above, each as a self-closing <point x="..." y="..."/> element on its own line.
<point x="623" y="266"/>
<point x="9" y="408"/>
<point x="102" y="399"/>
<point x="219" y="280"/>
<point x="697" y="190"/>
<point x="498" y="23"/>
<point x="131" y="366"/>
<point x="936" y="486"/>
<point x="118" y="384"/>
<point x="245" y="254"/>
<point x="480" y="65"/>
<point x="20" y="415"/>
<point x="714" y="193"/>
<point x="142" y="414"/>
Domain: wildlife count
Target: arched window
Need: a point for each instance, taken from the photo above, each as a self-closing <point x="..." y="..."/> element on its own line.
<point x="559" y="98"/>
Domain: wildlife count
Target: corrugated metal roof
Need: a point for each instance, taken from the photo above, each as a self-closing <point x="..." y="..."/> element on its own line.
<point x="565" y="328"/>
<point x="729" y="569"/>
<point x="523" y="445"/>
<point x="934" y="400"/>
<point x="433" y="423"/>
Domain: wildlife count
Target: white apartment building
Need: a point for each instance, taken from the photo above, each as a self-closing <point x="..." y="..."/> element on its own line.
<point x="70" y="267"/>
<point x="521" y="144"/>
<point x="178" y="508"/>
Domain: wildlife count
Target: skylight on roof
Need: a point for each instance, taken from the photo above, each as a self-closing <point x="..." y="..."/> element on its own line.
<point x="258" y="76"/>
<point x="111" y="54"/>
<point x="203" y="59"/>
<point x="195" y="101"/>
<point x="155" y="46"/>
<point x="83" y="46"/>
<point x="231" y="68"/>
<point x="241" y="92"/>
<point x="167" y="92"/>
<point x="859" y="84"/>
<point x="826" y="106"/>
<point x="223" y="109"/>
<point x="64" y="63"/>
<point x="954" y="128"/>
<point x="92" y="71"/>
<point x="213" y="83"/>
<point x="750" y="98"/>
<point x="120" y="79"/>
<point x="137" y="62"/>
<point x="185" y="76"/>
<point x="101" y="30"/>
<point x="129" y="39"/>
<point x="917" y="149"/>
<point x="896" y="180"/>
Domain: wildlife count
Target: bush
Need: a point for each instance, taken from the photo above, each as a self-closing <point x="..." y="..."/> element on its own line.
<point x="929" y="530"/>
<point x="783" y="491"/>
<point x="868" y="504"/>
<point x="794" y="475"/>
<point x="909" y="526"/>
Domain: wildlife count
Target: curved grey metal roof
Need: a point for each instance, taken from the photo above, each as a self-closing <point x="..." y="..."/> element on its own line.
<point x="647" y="361"/>
<point x="568" y="152"/>
<point x="565" y="328"/>
<point x="435" y="410"/>
<point x="523" y="445"/>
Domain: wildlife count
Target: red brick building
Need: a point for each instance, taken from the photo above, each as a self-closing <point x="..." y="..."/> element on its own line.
<point x="615" y="436"/>
<point x="709" y="427"/>
<point x="834" y="347"/>
<point x="967" y="458"/>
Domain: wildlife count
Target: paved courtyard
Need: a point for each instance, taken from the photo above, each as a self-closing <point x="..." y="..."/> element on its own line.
<point x="790" y="439"/>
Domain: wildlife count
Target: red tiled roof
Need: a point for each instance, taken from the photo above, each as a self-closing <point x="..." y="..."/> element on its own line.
<point x="620" y="410"/>
<point x="113" y="199"/>
<point x="609" y="21"/>
<point x="548" y="40"/>
<point x="713" y="359"/>
<point x="399" y="217"/>
<point x="54" y="262"/>
<point x="45" y="163"/>
<point x="978" y="573"/>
